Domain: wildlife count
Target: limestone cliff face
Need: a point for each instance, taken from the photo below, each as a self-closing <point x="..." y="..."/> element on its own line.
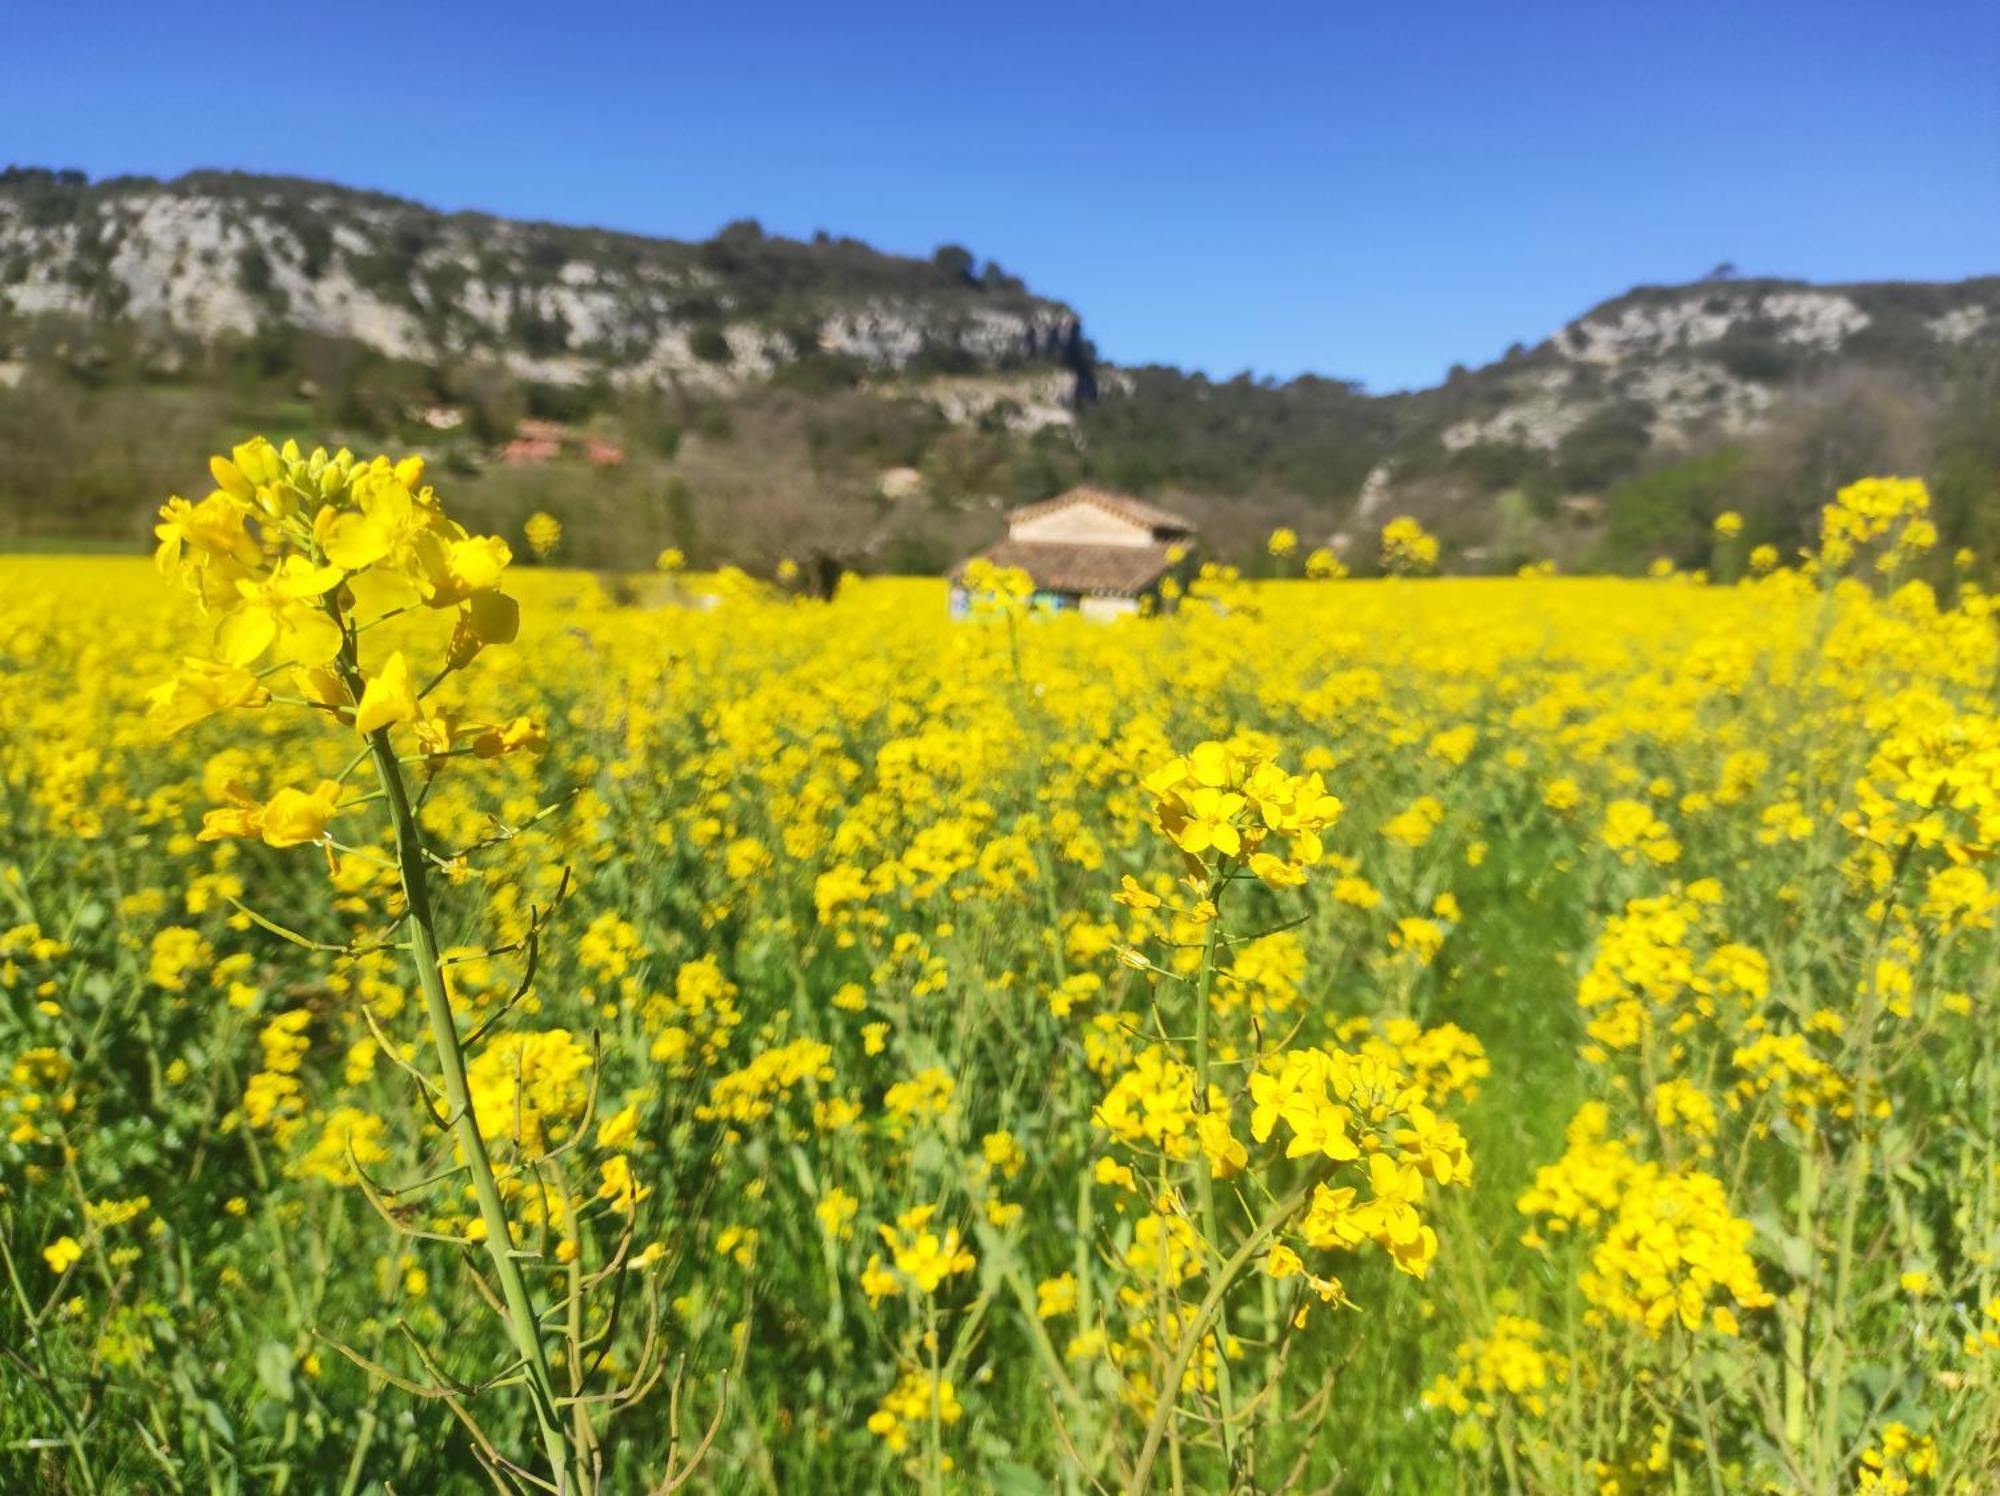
<point x="1714" y="357"/>
<point x="213" y="255"/>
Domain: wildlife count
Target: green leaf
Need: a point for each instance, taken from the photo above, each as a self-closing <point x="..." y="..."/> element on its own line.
<point x="274" y="1369"/>
<point x="1794" y="1254"/>
<point x="1014" y="1480"/>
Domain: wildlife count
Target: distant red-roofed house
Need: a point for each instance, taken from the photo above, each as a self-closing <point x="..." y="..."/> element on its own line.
<point x="1089" y="551"/>
<point x="529" y="451"/>
<point x="537" y="441"/>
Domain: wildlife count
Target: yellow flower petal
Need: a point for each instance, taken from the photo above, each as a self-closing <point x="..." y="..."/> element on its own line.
<point x="388" y="699"/>
<point x="354" y="542"/>
<point x="244" y="635"/>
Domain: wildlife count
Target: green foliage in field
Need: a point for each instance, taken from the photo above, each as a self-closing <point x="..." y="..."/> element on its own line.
<point x="1417" y="1036"/>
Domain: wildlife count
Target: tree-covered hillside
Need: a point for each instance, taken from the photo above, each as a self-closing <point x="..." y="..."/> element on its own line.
<point x="766" y="396"/>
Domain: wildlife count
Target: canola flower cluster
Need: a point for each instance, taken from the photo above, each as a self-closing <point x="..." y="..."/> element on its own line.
<point x="271" y="556"/>
<point x="1408" y="547"/>
<point x="1533" y="1034"/>
<point x="1510" y="1365"/>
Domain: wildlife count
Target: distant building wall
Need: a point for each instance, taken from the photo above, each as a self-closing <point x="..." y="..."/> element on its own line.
<point x="1102" y="608"/>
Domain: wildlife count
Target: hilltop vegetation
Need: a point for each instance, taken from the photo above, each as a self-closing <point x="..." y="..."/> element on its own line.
<point x="772" y="396"/>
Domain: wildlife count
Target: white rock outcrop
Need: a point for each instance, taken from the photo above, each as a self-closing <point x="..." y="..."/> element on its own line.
<point x="418" y="285"/>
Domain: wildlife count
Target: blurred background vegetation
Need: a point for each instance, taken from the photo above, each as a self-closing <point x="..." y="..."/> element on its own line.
<point x="903" y="463"/>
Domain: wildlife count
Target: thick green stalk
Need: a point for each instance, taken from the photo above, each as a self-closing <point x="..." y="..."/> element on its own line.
<point x="1204" y="986"/>
<point x="1197" y="1327"/>
<point x="1204" y="1181"/>
<point x="1857" y="1167"/>
<point x="934" y="1466"/>
<point x="1798" y="1306"/>
<point x="521" y="1319"/>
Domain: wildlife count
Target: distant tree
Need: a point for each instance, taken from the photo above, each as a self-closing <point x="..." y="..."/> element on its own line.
<point x="1755" y="355"/>
<point x="678" y="512"/>
<point x="546" y="257"/>
<point x="1965" y="486"/>
<point x="708" y="344"/>
<point x="995" y="279"/>
<point x="1725" y="270"/>
<point x="1514" y="530"/>
<point x="814" y="372"/>
<point x="492" y="398"/>
<point x="253" y="270"/>
<point x="542" y="333"/>
<point x="1668" y="511"/>
<point x="735" y="247"/>
<point x="955" y="263"/>
<point x="1605" y="447"/>
<point x="1491" y="467"/>
<point x="1850" y="425"/>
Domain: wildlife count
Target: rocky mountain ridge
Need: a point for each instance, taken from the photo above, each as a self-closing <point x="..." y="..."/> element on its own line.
<point x="217" y="255"/>
<point x="767" y="387"/>
<point x="1711" y="358"/>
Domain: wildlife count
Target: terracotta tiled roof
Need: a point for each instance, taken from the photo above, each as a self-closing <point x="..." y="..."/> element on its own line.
<point x="530" y="449"/>
<point x="1138" y="511"/>
<point x="1097" y="570"/>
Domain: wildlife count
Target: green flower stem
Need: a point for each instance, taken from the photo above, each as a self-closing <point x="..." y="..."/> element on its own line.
<point x="1857" y="1168"/>
<point x="1211" y="1304"/>
<point x="934" y="1426"/>
<point x="1204" y="1176"/>
<point x="521" y="1317"/>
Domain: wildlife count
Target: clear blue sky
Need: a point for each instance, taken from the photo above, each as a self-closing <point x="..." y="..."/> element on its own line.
<point x="1369" y="191"/>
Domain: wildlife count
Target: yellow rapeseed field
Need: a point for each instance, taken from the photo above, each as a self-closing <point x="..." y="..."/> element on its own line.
<point x="469" y="1025"/>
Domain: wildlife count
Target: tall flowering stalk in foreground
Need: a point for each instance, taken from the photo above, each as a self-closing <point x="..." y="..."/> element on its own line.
<point x="1241" y="822"/>
<point x="270" y="556"/>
